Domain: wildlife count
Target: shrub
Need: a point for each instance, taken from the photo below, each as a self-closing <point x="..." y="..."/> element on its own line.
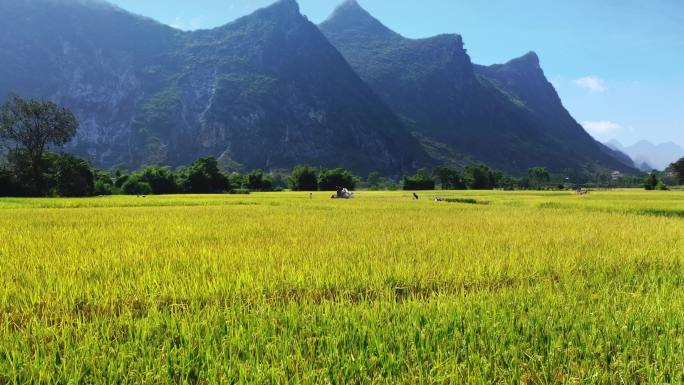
<point x="161" y="179"/>
<point x="134" y="186"/>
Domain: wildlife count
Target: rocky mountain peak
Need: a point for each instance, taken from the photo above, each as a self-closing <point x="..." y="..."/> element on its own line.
<point x="350" y="17"/>
<point x="284" y="7"/>
<point x="351" y="8"/>
<point x="525" y="64"/>
<point x="280" y="11"/>
<point x="530" y="57"/>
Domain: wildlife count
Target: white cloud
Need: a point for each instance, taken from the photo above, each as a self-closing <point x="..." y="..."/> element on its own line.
<point x="591" y="83"/>
<point x="601" y="128"/>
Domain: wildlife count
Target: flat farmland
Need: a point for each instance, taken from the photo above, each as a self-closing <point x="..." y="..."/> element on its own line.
<point x="489" y="287"/>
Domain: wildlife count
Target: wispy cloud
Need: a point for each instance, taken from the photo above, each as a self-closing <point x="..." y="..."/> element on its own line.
<point x="601" y="127"/>
<point x="592" y="84"/>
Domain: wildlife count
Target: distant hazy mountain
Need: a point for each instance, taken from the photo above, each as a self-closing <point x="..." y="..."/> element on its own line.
<point x="507" y="115"/>
<point x="270" y="91"/>
<point x="618" y="153"/>
<point x="267" y="90"/>
<point x="648" y="156"/>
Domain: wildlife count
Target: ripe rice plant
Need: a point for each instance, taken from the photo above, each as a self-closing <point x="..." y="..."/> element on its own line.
<point x="532" y="288"/>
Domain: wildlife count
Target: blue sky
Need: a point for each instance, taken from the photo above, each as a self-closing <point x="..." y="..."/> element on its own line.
<point x="617" y="64"/>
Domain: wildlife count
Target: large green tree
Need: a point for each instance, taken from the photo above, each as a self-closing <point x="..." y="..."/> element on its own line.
<point x="257" y="180"/>
<point x="651" y="181"/>
<point x="481" y="177"/>
<point x="449" y="179"/>
<point x="374" y="180"/>
<point x="29" y="128"/>
<point x="204" y="177"/>
<point x="304" y="178"/>
<point x="73" y="176"/>
<point x="334" y="179"/>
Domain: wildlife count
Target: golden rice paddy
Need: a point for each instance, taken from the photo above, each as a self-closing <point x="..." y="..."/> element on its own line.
<point x="492" y="287"/>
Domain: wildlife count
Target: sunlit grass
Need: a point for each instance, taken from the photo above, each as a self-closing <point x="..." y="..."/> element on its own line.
<point x="279" y="288"/>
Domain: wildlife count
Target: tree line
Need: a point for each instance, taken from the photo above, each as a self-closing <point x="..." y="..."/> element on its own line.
<point x="31" y="131"/>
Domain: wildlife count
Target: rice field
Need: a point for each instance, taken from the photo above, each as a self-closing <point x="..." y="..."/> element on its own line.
<point x="484" y="288"/>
